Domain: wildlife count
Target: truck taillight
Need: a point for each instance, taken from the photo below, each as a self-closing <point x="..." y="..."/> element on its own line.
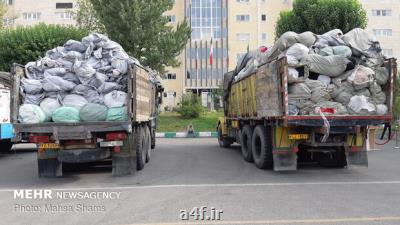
<point x="39" y="139"/>
<point x="116" y="136"/>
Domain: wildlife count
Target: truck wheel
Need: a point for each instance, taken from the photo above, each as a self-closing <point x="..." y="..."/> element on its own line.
<point x="147" y="143"/>
<point x="49" y="168"/>
<point x="153" y="138"/>
<point x="140" y="146"/>
<point x="262" y="148"/>
<point x="223" y="143"/>
<point x="5" y="145"/>
<point x="245" y="143"/>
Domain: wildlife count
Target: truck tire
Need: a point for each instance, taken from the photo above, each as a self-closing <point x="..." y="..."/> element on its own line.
<point x="148" y="143"/>
<point x="245" y="142"/>
<point x="153" y="138"/>
<point x="139" y="145"/>
<point x="262" y="148"/>
<point x="223" y="143"/>
<point x="5" y="145"/>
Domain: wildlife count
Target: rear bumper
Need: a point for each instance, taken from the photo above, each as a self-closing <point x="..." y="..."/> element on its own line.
<point x="83" y="155"/>
<point x="343" y="121"/>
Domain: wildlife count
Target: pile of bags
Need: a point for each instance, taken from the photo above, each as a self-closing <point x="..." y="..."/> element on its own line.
<point x="346" y="72"/>
<point x="81" y="81"/>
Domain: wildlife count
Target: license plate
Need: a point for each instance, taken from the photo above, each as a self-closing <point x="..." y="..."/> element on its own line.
<point x="298" y="136"/>
<point x="49" y="146"/>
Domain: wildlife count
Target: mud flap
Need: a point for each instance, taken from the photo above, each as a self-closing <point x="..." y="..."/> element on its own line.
<point x="357" y="158"/>
<point x="124" y="162"/>
<point x="49" y="168"/>
<point x="285" y="160"/>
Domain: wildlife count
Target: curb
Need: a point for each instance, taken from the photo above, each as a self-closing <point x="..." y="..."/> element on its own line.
<point x="185" y="135"/>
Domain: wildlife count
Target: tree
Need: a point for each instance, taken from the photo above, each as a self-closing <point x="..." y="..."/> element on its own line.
<point x="143" y="31"/>
<point x="321" y="16"/>
<point x="26" y="44"/>
<point x="190" y="106"/>
<point x="86" y="17"/>
<point x="3" y="11"/>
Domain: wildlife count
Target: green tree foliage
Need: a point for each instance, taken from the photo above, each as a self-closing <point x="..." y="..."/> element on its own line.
<point x="321" y="16"/>
<point x="143" y="31"/>
<point x="3" y="11"/>
<point x="25" y="44"/>
<point x="190" y="106"/>
<point x="86" y="17"/>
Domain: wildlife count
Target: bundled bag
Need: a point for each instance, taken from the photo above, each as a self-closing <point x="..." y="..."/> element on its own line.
<point x="377" y="95"/>
<point x="336" y="50"/>
<point x="66" y="115"/>
<point x="33" y="99"/>
<point x="55" y="84"/>
<point x="338" y="108"/>
<point x="381" y="75"/>
<point x="307" y="38"/>
<point x="84" y="71"/>
<point x="293" y="110"/>
<point x="117" y="114"/>
<point x="359" y="105"/>
<point x="49" y="105"/>
<point x="31" y="114"/>
<point x="74" y="101"/>
<point x="381" y="110"/>
<point x="320" y="95"/>
<point x="299" y="91"/>
<point x="332" y="66"/>
<point x="93" y="112"/>
<point x="120" y="64"/>
<point x="89" y="93"/>
<point x="31" y="86"/>
<point x="362" y="43"/>
<point x="73" y="45"/>
<point x="115" y="99"/>
<point x="58" y="71"/>
<point x="55" y="53"/>
<point x="284" y="42"/>
<point x="325" y="79"/>
<point x="361" y="77"/>
<point x="295" y="53"/>
<point x="331" y="38"/>
<point x="293" y="75"/>
<point x="71" y="78"/>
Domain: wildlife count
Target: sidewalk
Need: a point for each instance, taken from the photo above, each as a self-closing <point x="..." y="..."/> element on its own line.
<point x="184" y="135"/>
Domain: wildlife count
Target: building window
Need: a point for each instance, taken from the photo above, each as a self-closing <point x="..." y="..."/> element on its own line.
<point x="382" y="12"/>
<point x="68" y="5"/>
<point x="264" y="36"/>
<point x="263" y="17"/>
<point x="65" y="15"/>
<point x="243" y="1"/>
<point x="170" y="76"/>
<point x="242" y="36"/>
<point x="383" y="32"/>
<point x="387" y="52"/>
<point x="242" y="18"/>
<point x="31" y="15"/>
<point x="172" y="19"/>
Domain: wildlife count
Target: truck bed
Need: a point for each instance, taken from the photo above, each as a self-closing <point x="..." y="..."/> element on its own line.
<point x="264" y="95"/>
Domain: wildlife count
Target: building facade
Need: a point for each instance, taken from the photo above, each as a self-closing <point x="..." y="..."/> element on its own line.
<point x="384" y="23"/>
<point x="30" y="12"/>
<point x="230" y="28"/>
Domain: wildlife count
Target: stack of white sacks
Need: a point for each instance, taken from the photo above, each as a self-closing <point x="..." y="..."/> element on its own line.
<point x="346" y="72"/>
<point x="81" y="81"/>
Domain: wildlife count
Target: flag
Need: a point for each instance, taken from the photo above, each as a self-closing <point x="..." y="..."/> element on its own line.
<point x="211" y="53"/>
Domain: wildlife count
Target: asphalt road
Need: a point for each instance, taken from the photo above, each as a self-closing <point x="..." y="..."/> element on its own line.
<point x="187" y="173"/>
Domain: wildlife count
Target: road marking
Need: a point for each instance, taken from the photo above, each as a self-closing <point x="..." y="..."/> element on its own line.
<point x="306" y="221"/>
<point x="209" y="185"/>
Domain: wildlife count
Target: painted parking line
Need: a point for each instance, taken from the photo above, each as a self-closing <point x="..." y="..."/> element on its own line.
<point x="305" y="221"/>
<point x="212" y="185"/>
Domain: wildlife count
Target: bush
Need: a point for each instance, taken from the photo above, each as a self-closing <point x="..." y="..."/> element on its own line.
<point x="26" y="44"/>
<point x="190" y="106"/>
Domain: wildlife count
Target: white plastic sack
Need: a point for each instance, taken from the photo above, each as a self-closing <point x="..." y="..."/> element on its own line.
<point x="49" y="105"/>
<point x="336" y="50"/>
<point x="381" y="75"/>
<point x="55" y="53"/>
<point x="31" y="114"/>
<point x="381" y="110"/>
<point x="284" y="42"/>
<point x="33" y="99"/>
<point x="89" y="93"/>
<point x="325" y="79"/>
<point x="73" y="45"/>
<point x="115" y="99"/>
<point x="299" y="91"/>
<point x="339" y="108"/>
<point x="293" y="75"/>
<point x="361" y="77"/>
<point x="332" y="66"/>
<point x="55" y="72"/>
<point x="360" y="105"/>
<point x="362" y="43"/>
<point x="315" y="84"/>
<point x="83" y="70"/>
<point x="31" y="86"/>
<point x="75" y="101"/>
<point x="331" y="38"/>
<point x="307" y="38"/>
<point x="295" y="53"/>
<point x="54" y="83"/>
<point x="120" y="65"/>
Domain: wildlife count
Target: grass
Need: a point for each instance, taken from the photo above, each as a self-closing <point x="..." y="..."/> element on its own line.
<point x="173" y="122"/>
